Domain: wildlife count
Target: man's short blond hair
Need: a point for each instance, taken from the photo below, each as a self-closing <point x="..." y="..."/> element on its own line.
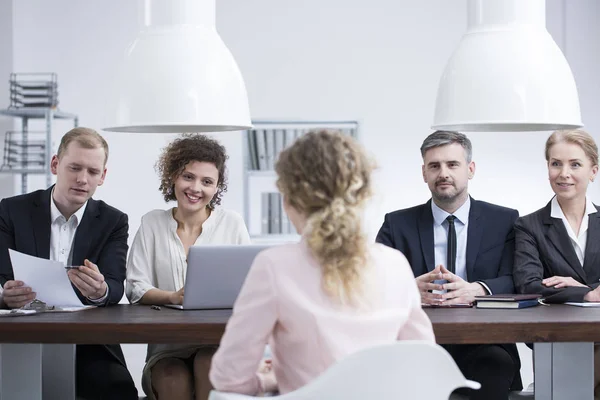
<point x="86" y="138"/>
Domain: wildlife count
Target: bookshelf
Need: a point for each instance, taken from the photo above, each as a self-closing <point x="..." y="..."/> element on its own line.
<point x="264" y="214"/>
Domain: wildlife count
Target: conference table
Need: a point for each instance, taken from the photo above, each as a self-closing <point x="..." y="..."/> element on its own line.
<point x="44" y="344"/>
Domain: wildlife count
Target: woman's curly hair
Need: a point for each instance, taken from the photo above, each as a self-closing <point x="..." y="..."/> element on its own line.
<point x="185" y="149"/>
<point x="326" y="176"/>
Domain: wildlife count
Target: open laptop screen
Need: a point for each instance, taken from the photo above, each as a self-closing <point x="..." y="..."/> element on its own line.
<point x="215" y="275"/>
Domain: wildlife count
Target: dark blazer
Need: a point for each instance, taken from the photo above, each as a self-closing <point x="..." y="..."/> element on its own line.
<point x="101" y="237"/>
<point x="490" y="242"/>
<point x="543" y="249"/>
<point x="489" y="258"/>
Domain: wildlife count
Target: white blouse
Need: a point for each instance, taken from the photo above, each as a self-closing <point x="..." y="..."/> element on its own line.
<point x="578" y="241"/>
<point x="157" y="257"/>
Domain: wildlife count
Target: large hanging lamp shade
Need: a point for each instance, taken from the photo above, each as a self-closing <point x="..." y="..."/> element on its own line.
<point x="507" y="73"/>
<point x="178" y="75"/>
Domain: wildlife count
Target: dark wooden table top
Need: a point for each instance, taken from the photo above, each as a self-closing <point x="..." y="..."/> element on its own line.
<point x="140" y="324"/>
<point x="553" y="323"/>
<point x="117" y="324"/>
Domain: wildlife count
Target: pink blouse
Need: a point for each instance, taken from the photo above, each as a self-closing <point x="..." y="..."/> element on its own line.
<point x="282" y="303"/>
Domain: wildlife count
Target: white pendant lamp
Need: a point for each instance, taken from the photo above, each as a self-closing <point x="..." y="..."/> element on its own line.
<point x="178" y="75"/>
<point x="507" y="73"/>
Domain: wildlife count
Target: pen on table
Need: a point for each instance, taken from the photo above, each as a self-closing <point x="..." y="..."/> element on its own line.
<point x="155" y="308"/>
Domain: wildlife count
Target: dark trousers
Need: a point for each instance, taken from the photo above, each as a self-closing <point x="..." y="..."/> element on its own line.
<point x="497" y="367"/>
<point x="101" y="374"/>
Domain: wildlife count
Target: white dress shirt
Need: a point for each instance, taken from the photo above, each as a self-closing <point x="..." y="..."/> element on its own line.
<point x="440" y="236"/>
<point x="62" y="233"/>
<point x="577" y="241"/>
<point x="440" y="239"/>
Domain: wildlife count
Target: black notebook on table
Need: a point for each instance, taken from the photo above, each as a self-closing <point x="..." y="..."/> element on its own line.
<point x="508" y="301"/>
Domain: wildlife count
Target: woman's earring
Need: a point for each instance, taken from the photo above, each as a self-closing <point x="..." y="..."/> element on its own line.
<point x="170" y="191"/>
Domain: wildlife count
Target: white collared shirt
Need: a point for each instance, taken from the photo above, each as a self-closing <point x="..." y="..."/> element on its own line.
<point x="440" y="236"/>
<point x="440" y="239"/>
<point x="62" y="232"/>
<point x="577" y="241"/>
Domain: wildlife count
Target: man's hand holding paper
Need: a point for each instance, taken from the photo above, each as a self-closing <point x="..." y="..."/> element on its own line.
<point x="88" y="279"/>
<point x="46" y="280"/>
<point x="16" y="294"/>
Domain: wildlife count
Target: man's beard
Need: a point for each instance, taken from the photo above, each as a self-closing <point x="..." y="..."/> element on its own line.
<point x="447" y="196"/>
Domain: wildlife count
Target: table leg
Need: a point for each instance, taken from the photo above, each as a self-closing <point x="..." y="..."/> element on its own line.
<point x="20" y="371"/>
<point x="58" y="368"/>
<point x="564" y="371"/>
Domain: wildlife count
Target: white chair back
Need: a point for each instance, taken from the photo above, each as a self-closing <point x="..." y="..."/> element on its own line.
<point x="401" y="370"/>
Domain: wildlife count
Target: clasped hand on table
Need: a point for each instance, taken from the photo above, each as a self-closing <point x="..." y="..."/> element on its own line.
<point x="458" y="290"/>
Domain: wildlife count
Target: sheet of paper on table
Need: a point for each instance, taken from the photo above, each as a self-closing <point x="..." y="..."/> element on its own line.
<point x="48" y="279"/>
<point x="16" y="313"/>
<point x="586" y="304"/>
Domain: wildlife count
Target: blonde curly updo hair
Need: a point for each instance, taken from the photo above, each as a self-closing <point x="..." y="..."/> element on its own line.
<point x="326" y="176"/>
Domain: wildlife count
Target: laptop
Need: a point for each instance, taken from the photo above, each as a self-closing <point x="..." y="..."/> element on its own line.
<point x="215" y="275"/>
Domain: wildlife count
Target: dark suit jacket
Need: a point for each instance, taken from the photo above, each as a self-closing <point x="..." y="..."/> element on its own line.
<point x="543" y="249"/>
<point x="490" y="249"/>
<point x="101" y="237"/>
<point x="490" y="242"/>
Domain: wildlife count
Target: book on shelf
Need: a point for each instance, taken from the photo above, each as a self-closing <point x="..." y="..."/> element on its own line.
<point x="269" y="149"/>
<point x="261" y="149"/>
<point x="279" y="139"/>
<point x="274" y="213"/>
<point x="252" y="151"/>
<point x="265" y="215"/>
<point x="508" y="301"/>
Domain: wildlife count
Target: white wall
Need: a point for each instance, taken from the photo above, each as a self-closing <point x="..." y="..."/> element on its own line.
<point x="6" y="67"/>
<point x="349" y="60"/>
<point x="582" y="47"/>
<point x="378" y="62"/>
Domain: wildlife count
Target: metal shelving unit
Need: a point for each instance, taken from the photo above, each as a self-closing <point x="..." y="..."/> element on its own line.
<point x="26" y="114"/>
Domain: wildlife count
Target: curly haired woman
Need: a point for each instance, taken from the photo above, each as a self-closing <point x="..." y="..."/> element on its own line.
<point x="331" y="294"/>
<point x="192" y="173"/>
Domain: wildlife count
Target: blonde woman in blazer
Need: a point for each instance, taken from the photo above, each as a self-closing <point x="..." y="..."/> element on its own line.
<point x="331" y="294"/>
<point x="557" y="248"/>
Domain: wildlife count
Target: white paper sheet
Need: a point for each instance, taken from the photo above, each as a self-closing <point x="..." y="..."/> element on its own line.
<point x="70" y="309"/>
<point x="586" y="304"/>
<point x="48" y="279"/>
<point x="16" y="313"/>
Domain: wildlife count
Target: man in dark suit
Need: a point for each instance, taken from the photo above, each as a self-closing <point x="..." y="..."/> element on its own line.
<point x="64" y="223"/>
<point x="459" y="248"/>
